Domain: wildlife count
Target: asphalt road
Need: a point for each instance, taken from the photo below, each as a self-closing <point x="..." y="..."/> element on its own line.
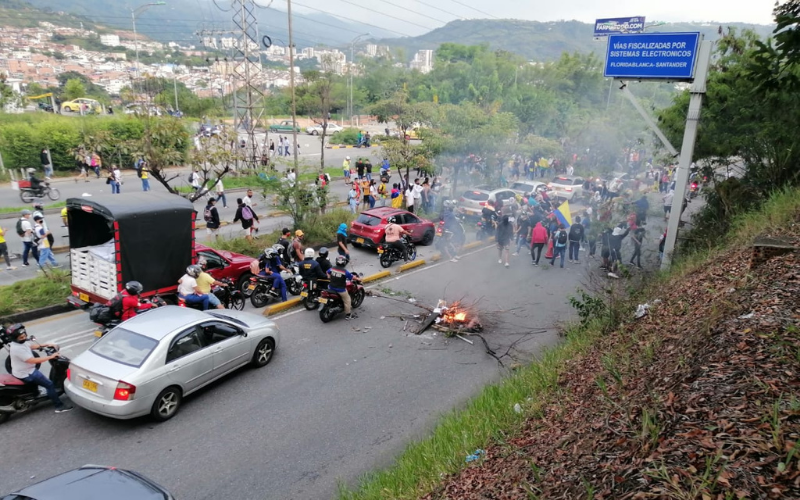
<point x="336" y="402"/>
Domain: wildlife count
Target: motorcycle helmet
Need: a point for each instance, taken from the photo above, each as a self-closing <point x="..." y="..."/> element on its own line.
<point x="341" y="261"/>
<point x="134" y="287"/>
<point x="323" y="252"/>
<point x="308" y="253"/>
<point x="14" y="331"/>
<point x="194" y="270"/>
<point x="270" y="252"/>
<point x="31" y="170"/>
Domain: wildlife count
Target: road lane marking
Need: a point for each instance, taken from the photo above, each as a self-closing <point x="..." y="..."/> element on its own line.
<point x="53" y="318"/>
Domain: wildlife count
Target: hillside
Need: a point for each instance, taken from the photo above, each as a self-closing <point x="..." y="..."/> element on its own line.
<point x="538" y="41"/>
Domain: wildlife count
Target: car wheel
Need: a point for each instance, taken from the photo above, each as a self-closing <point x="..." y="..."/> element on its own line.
<point x="167" y="404"/>
<point x="264" y="352"/>
<point x="428" y="238"/>
<point x="314" y="132"/>
<point x="244" y="280"/>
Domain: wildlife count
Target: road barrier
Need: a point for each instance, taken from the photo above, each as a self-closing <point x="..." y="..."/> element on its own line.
<point x="411" y="265"/>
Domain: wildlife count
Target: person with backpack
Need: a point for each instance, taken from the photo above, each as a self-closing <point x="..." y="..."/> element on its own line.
<point x="211" y="216"/>
<point x="382" y="192"/>
<point x="560" y="239"/>
<point x="25" y="231"/>
<point x="577" y="235"/>
<point x="246" y="215"/>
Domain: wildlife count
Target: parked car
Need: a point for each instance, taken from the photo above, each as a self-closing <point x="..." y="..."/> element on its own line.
<point x="525" y="187"/>
<point x="284" y="126"/>
<point x="90" y="105"/>
<point x="566" y="186"/>
<point x="316" y="129"/>
<point x="93" y="482"/>
<point x="473" y="200"/>
<point x="224" y="264"/>
<point x="369" y="228"/>
<point x="149" y="363"/>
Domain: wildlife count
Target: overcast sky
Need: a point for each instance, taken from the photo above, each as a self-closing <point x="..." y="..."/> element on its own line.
<point x="752" y="11"/>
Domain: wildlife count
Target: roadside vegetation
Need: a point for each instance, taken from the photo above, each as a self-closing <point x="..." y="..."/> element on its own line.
<point x="41" y="291"/>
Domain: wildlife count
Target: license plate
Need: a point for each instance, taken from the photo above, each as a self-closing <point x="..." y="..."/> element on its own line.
<point x="304" y="294"/>
<point x="98" y="333"/>
<point x="88" y="384"/>
<point x="359" y="240"/>
<point x="380" y="250"/>
<point x="84" y="297"/>
<point x="251" y="287"/>
<point x="323" y="301"/>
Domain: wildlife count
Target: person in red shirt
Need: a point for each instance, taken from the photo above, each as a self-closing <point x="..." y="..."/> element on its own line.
<point x="130" y="300"/>
<point x="538" y="240"/>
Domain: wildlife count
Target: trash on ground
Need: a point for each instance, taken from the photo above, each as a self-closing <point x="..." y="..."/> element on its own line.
<point x="747" y="316"/>
<point x="517" y="408"/>
<point x="642" y="310"/>
<point x="475" y="456"/>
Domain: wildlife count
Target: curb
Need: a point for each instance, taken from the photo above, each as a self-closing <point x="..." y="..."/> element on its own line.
<point x="39" y="313"/>
<point x="282" y="306"/>
<point x="471" y="245"/>
<point x="376" y="276"/>
<point x="411" y="265"/>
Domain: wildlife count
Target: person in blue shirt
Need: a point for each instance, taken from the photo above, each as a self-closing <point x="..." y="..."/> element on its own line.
<point x="560" y="239"/>
<point x="270" y="264"/>
<point x="339" y="277"/>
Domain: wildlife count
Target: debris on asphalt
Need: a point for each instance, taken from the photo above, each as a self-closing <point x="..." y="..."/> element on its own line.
<point x="465" y="340"/>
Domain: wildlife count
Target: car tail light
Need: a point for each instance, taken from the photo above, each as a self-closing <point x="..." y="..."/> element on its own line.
<point x="482" y="203"/>
<point x="69" y="374"/>
<point x="568" y="189"/>
<point x="124" y="391"/>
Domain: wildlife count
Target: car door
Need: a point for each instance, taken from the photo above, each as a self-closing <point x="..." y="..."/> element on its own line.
<point x="189" y="363"/>
<point x="229" y="347"/>
<point x="410" y="223"/>
<point x="216" y="264"/>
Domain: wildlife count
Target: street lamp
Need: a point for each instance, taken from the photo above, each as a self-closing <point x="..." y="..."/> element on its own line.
<point x="352" y="63"/>
<point x="135" y="12"/>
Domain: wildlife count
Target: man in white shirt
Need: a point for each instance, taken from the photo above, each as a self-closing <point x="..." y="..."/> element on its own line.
<point x="248" y="200"/>
<point x="45" y="253"/>
<point x="23" y="364"/>
<point x="27" y="238"/>
<point x="187" y="287"/>
<point x="221" y="193"/>
<point x="417" y="187"/>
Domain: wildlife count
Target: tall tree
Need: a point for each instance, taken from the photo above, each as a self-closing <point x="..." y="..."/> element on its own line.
<point x="74" y="89"/>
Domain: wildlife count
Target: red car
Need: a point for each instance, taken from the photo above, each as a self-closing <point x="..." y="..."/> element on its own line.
<point x="370" y="227"/>
<point x="224" y="264"/>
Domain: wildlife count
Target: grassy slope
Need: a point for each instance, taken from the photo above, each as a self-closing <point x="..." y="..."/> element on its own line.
<point x="489" y="419"/>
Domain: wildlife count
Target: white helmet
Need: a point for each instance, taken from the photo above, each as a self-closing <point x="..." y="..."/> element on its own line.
<point x="346" y="157"/>
<point x="308" y="253"/>
<point x="31" y="170"/>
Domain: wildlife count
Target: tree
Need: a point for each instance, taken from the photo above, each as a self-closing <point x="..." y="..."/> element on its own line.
<point x="74" y="89"/>
<point x="299" y="199"/>
<point x="321" y="93"/>
<point x="6" y="92"/>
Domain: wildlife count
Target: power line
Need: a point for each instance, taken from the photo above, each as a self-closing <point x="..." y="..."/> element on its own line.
<point x="414" y="12"/>
<point x="441" y="10"/>
<point x="352" y="20"/>
<point x="473" y="8"/>
<point x="387" y="15"/>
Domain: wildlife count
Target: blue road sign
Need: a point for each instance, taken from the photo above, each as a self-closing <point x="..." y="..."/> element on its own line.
<point x="605" y="27"/>
<point x="652" y="56"/>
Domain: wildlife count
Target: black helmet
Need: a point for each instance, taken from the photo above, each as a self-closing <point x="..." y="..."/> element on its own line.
<point x="38" y="206"/>
<point x="341" y="261"/>
<point x="323" y="252"/>
<point x="134" y="287"/>
<point x="14" y="331"/>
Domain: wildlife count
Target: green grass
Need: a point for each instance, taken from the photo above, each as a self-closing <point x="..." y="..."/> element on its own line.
<point x="9" y="210"/>
<point x="255" y="182"/>
<point x="34" y="293"/>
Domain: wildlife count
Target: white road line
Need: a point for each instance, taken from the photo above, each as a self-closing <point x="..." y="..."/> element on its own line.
<point x="70" y="346"/>
<point x="71" y="336"/>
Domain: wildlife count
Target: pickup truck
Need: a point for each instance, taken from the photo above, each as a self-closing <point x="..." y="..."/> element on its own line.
<point x="284" y="126"/>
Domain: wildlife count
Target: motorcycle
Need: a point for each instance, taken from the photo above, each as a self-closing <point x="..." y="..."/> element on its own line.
<point x="459" y="235"/>
<point x="389" y="254"/>
<point x="293" y="279"/>
<point x="228" y="295"/>
<point x="16" y="396"/>
<point x="485" y="230"/>
<point x="312" y="290"/>
<point x="694" y="188"/>
<point x="260" y="291"/>
<point x="332" y="303"/>
<point x="103" y="316"/>
<point x="27" y="194"/>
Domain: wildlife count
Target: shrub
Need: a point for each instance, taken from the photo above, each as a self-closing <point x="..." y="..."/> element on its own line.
<point x="34" y="293"/>
<point x="347" y="136"/>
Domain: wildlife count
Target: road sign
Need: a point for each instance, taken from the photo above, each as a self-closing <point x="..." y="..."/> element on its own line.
<point x="605" y="27"/>
<point x="652" y="56"/>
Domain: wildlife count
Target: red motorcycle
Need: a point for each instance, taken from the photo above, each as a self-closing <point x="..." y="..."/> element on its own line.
<point x="332" y="303"/>
<point x="694" y="188"/>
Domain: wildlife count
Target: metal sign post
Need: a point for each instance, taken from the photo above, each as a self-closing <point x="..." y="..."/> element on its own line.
<point x="687" y="150"/>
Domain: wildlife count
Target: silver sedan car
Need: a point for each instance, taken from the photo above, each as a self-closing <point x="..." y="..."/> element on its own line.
<point x="148" y="364"/>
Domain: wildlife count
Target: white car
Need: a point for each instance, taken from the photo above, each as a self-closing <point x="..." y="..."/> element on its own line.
<point x="316" y="129"/>
<point x="525" y="187"/>
<point x="149" y="363"/>
<point x="566" y="186"/>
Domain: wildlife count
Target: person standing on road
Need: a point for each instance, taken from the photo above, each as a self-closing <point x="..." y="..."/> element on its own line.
<point x="25" y="231"/>
<point x="4" y="249"/>
<point x="360" y="168"/>
<point x="297" y="246"/>
<point x="668" y="203"/>
<point x="40" y="237"/>
<point x="417" y="187"/>
<point x="409" y="194"/>
<point x="368" y="167"/>
<point x="577" y="235"/>
<point x="286" y="147"/>
<point x="352" y="197"/>
<point x="248" y="200"/>
<point x="115" y="178"/>
<point x="144" y="174"/>
<point x="47" y="165"/>
<point x="637" y="238"/>
<point x="23" y="364"/>
<point x="615" y="242"/>
<point x="220" y="190"/>
<point x="341" y="242"/>
<point x="246" y="215"/>
<point x="211" y="216"/>
<point x="346" y="169"/>
<point x="382" y="192"/>
<point x="505" y="232"/>
<point x="538" y="241"/>
<point x="396" y="196"/>
<point x="560" y="239"/>
<point x="97" y="163"/>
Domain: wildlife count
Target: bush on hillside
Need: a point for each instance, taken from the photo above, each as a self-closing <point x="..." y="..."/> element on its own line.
<point x="348" y="136"/>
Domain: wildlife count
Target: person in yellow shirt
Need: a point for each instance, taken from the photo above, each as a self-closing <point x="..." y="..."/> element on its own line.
<point x="144" y="174"/>
<point x="204" y="283"/>
<point x="4" y="249"/>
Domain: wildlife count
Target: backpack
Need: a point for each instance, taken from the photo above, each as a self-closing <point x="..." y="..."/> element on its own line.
<point x="254" y="266"/>
<point x="207" y="215"/>
<point x="562" y="238"/>
<point x="576" y="232"/>
<point x="115" y="305"/>
<point x="191" y="177"/>
<point x="19" y="228"/>
<point x="247" y="214"/>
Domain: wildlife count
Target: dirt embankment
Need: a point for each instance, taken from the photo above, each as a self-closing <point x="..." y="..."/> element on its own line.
<point x="700" y="398"/>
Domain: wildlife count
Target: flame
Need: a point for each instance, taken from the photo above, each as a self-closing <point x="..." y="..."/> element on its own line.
<point x="460" y="316"/>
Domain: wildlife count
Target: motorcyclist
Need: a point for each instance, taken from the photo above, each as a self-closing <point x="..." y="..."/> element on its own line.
<point x="449" y="218"/>
<point x="489" y="216"/>
<point x="23" y="363"/>
<point x="339" y="277"/>
<point x="285" y="241"/>
<point x="131" y="305"/>
<point x="322" y="259"/>
<point x="309" y="268"/>
<point x="188" y="289"/>
<point x="205" y="281"/>
<point x="270" y="264"/>
<point x="36" y="184"/>
<point x="394" y="237"/>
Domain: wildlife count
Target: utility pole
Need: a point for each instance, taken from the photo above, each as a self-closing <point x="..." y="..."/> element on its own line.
<point x="350" y="75"/>
<point x="134" y="12"/>
<point x="291" y="83"/>
<point x="175" y="86"/>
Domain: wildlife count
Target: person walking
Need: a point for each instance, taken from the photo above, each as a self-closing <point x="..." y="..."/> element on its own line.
<point x="47" y="164"/>
<point x="25" y="232"/>
<point x="346" y="169"/>
<point x="341" y="242"/>
<point x="4" y="249"/>
<point x="577" y="235"/>
<point x="615" y="243"/>
<point x="352" y="197"/>
<point x="248" y="200"/>
<point x="246" y="216"/>
<point x="220" y="190"/>
<point x="538" y="241"/>
<point x="144" y="174"/>
<point x="637" y="238"/>
<point x="96" y="163"/>
<point x="43" y="243"/>
<point x="667" y="198"/>
<point x="505" y="232"/>
<point x="560" y="239"/>
<point x="523" y="228"/>
<point x="211" y="216"/>
<point x="286" y="147"/>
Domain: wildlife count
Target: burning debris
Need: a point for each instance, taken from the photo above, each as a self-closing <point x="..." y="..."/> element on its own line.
<point x="455" y="319"/>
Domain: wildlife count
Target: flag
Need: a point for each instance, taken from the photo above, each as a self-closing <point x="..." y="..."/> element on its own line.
<point x="563" y="214"/>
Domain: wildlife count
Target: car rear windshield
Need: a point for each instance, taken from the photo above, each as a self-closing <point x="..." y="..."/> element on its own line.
<point x="521" y="186"/>
<point x="562" y="180"/>
<point x="368" y="220"/>
<point x="124" y="346"/>
<point x="476" y="195"/>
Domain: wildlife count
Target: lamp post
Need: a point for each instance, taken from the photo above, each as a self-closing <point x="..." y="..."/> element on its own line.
<point x="350" y="71"/>
<point x="135" y="12"/>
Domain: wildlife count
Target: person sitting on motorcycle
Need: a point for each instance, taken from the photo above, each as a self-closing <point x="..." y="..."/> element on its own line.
<point x="188" y="289"/>
<point x="23" y="363"/>
<point x="339" y="277"/>
<point x="270" y="264"/>
<point x="310" y="269"/>
<point x="205" y="281"/>
<point x="449" y="217"/>
<point x="36" y="184"/>
<point x="489" y="216"/>
<point x="131" y="305"/>
<point x="323" y="261"/>
<point x="394" y="237"/>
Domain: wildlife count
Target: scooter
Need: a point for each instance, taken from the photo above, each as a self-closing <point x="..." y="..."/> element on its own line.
<point x="332" y="303"/>
<point x="228" y="296"/>
<point x="16" y="396"/>
<point x="389" y="255"/>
